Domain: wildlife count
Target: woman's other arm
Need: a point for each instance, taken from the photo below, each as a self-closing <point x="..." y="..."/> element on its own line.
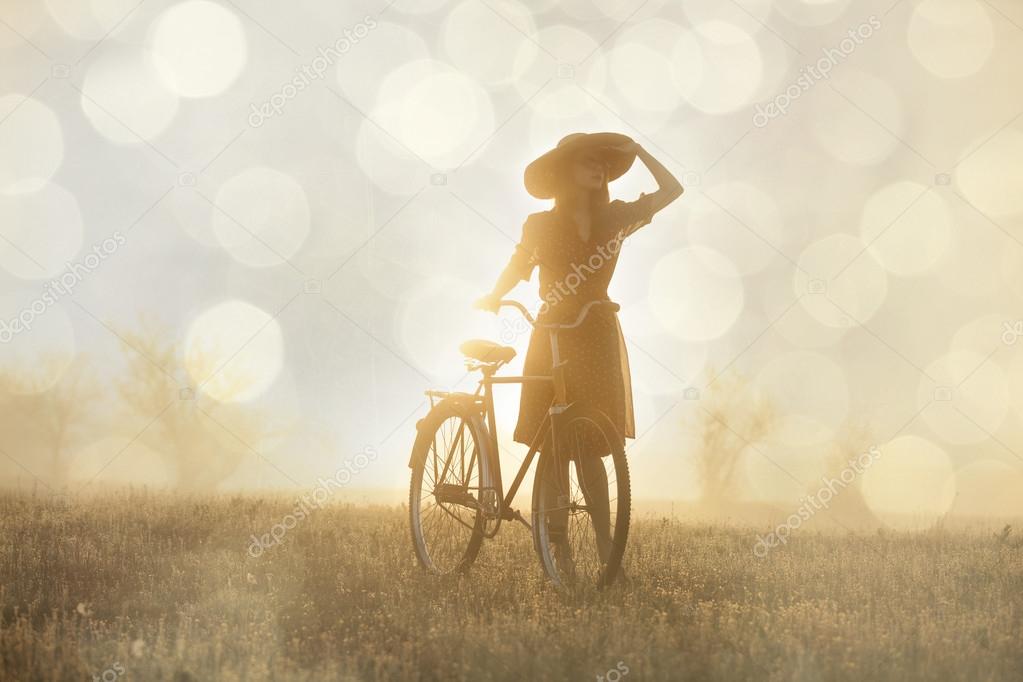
<point x="519" y="268"/>
<point x="506" y="281"/>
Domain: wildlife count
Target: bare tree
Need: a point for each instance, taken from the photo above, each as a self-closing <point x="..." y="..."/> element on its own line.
<point x="849" y="508"/>
<point x="47" y="423"/>
<point x="731" y="416"/>
<point x="203" y="439"/>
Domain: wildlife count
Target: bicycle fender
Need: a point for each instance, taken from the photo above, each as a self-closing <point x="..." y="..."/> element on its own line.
<point x="464" y="404"/>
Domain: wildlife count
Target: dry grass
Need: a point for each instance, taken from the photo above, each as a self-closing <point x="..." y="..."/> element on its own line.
<point x="161" y="585"/>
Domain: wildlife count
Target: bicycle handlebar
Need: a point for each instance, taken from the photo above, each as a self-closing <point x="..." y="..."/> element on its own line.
<point x="578" y="321"/>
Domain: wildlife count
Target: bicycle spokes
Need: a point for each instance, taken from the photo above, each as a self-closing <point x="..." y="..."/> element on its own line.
<point x="578" y="503"/>
<point x="449" y="496"/>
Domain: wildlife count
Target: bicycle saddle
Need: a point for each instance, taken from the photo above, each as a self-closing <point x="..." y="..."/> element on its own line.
<point x="487" y="351"/>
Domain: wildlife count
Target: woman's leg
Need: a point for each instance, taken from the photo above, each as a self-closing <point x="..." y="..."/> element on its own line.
<point x="556" y="495"/>
<point x="593" y="481"/>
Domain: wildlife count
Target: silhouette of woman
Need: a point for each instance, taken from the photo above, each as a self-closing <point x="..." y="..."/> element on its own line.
<point x="576" y="246"/>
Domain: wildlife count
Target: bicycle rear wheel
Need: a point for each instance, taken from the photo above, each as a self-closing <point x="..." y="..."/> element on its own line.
<point x="451" y="496"/>
<point x="582" y="501"/>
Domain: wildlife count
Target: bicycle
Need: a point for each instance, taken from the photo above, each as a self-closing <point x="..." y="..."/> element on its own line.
<point x="456" y="496"/>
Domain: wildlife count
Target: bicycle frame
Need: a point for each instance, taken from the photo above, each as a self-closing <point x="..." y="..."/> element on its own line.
<point x="559" y="404"/>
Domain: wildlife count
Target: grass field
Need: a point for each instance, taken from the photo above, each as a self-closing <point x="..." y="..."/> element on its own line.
<point x="139" y="586"/>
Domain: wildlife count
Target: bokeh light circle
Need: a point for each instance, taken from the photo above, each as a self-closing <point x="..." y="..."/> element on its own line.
<point x="950" y="38"/>
<point x="984" y="335"/>
<point x="641" y="56"/>
<point x="992" y="176"/>
<point x="386" y="163"/>
<point x="812" y="12"/>
<point x="847" y="133"/>
<point x="124" y="97"/>
<point x="361" y="72"/>
<point x="556" y="84"/>
<point x="27" y="15"/>
<point x="438" y="113"/>
<point x="200" y="48"/>
<point x="968" y="399"/>
<point x="435" y="319"/>
<point x="839" y="284"/>
<point x="661" y="365"/>
<point x="89" y="20"/>
<point x="261" y="216"/>
<point x="807" y="385"/>
<point x="969" y="267"/>
<point x="728" y="72"/>
<point x="908" y="227"/>
<point x="793" y="322"/>
<point x="42" y="232"/>
<point x="702" y="12"/>
<point x="418" y="6"/>
<point x="742" y="220"/>
<point x="31" y="144"/>
<point x="910" y="484"/>
<point x="696" y="293"/>
<point x="483" y="40"/>
<point x="234" y="351"/>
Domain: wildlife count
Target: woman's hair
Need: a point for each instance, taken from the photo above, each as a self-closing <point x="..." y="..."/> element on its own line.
<point x="564" y="192"/>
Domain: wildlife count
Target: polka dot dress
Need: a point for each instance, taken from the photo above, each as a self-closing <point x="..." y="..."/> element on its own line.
<point x="574" y="272"/>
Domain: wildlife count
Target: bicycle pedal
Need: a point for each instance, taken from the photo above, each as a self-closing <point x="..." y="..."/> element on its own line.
<point x="451" y="493"/>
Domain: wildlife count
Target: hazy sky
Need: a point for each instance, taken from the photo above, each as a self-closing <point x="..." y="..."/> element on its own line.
<point x="317" y="191"/>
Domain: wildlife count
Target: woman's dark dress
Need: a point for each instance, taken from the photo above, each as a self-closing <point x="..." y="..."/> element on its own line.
<point x="573" y="273"/>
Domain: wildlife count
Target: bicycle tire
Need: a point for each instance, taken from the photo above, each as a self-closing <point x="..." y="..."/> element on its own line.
<point x="603" y="569"/>
<point x="449" y="415"/>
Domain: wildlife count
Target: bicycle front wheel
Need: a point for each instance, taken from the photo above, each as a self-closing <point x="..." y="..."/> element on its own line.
<point x="452" y="495"/>
<point x="582" y="501"/>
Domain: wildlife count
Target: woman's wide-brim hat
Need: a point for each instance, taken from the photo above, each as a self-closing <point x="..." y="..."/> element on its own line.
<point x="543" y="175"/>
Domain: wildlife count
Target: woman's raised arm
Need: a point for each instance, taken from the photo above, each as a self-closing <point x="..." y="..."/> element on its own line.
<point x="668" y="186"/>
